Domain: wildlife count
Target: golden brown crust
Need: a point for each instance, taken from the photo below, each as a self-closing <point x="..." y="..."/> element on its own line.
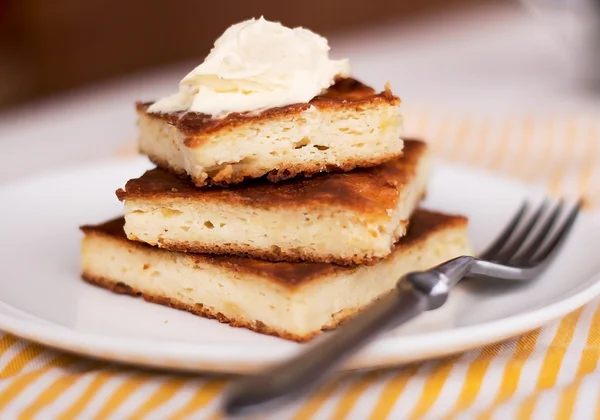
<point x="423" y="225"/>
<point x="227" y="176"/>
<point x="344" y="93"/>
<point x="198" y="309"/>
<point x="370" y="191"/>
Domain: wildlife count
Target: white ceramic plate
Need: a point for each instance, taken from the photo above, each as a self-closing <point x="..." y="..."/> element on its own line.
<point x="43" y="299"/>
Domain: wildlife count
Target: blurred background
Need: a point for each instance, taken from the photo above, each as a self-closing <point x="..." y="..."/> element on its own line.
<point x="53" y="46"/>
<point x="71" y="70"/>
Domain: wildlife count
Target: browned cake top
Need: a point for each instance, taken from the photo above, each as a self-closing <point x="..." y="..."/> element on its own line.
<point x="369" y="190"/>
<point x="423" y="224"/>
<point x="346" y="91"/>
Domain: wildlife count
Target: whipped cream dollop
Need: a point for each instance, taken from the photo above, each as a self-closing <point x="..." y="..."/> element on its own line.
<point x="255" y="65"/>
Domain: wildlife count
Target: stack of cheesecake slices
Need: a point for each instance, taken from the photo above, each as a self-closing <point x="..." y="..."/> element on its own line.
<point x="286" y="222"/>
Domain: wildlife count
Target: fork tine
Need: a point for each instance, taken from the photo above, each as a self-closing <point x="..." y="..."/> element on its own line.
<point x="506" y="233"/>
<point x="560" y="236"/>
<point x="527" y="253"/>
<point x="516" y="243"/>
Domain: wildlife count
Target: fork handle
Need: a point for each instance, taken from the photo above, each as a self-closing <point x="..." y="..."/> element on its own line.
<point x="296" y="376"/>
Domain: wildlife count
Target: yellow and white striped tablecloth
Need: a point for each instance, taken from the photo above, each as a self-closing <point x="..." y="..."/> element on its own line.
<point x="549" y="373"/>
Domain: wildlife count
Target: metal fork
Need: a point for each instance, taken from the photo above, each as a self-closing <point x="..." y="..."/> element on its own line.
<point x="520" y="253"/>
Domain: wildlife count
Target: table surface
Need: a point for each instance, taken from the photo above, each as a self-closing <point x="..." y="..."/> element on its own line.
<point x="494" y="61"/>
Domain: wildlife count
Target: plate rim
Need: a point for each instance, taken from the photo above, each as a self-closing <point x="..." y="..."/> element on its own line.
<point x="198" y="357"/>
<point x="222" y="359"/>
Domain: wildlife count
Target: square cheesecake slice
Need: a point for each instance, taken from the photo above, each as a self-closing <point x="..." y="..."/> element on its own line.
<point x="348" y="126"/>
<point x="296" y="301"/>
<point x="346" y="218"/>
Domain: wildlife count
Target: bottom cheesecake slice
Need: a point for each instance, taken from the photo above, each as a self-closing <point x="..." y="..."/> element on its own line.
<point x="295" y="301"/>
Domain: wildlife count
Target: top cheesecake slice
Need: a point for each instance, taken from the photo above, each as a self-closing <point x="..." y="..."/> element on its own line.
<point x="350" y="125"/>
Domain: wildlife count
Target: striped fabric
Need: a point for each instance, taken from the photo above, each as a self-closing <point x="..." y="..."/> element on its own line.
<point x="549" y="373"/>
